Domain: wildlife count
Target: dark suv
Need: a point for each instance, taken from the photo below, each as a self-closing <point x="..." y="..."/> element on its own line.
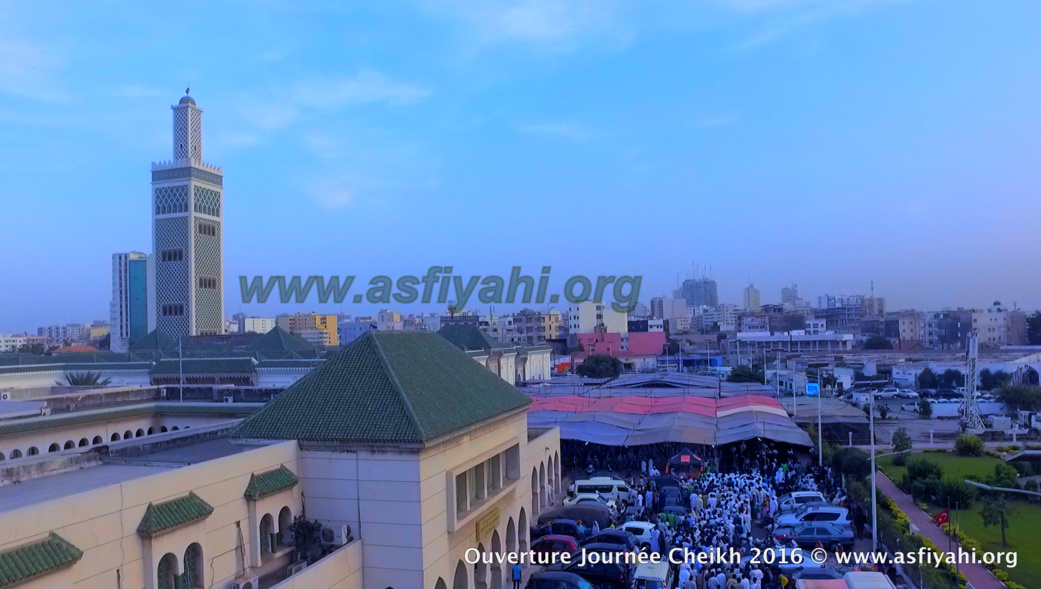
<point x="604" y="576"/>
<point x="620" y="537"/>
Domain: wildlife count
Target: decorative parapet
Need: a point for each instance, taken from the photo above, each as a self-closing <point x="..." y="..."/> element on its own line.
<point x="185" y="162"/>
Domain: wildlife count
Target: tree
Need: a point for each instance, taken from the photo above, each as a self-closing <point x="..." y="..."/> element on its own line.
<point x="306" y="535"/>
<point x="1004" y="476"/>
<point x="991" y="380"/>
<point x="746" y="373"/>
<point x="877" y="342"/>
<point x="1020" y="397"/>
<point x="34" y="349"/>
<point x="927" y="379"/>
<point x="995" y="512"/>
<point x="952" y="378"/>
<point x="968" y="445"/>
<point x="901" y="443"/>
<point x="85" y="379"/>
<point x="600" y="366"/>
<point x="1034" y="329"/>
<point x="925" y="408"/>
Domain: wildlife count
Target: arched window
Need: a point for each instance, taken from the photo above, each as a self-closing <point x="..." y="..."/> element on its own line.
<point x="70" y="445"/>
<point x="535" y="491"/>
<point x="16" y="453"/>
<point x="522" y="531"/>
<point x="53" y="448"/>
<point x="98" y="440"/>
<point x="193" y="569"/>
<point x="174" y="428"/>
<point x="2" y="457"/>
<point x="163" y="429"/>
<point x="285" y="519"/>
<point x="151" y="430"/>
<point x="128" y="434"/>
<point x="267" y="526"/>
<point x="166" y="572"/>
<point x="115" y="437"/>
<point x="33" y="451"/>
<point x="462" y="581"/>
<point x="480" y="571"/>
<point x="84" y="442"/>
<point x="140" y="433"/>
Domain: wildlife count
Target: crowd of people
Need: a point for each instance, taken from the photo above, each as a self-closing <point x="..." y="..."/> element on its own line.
<point x="731" y="502"/>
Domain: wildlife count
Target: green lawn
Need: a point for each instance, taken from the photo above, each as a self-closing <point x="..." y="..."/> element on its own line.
<point x="954" y="467"/>
<point x="1025" y="520"/>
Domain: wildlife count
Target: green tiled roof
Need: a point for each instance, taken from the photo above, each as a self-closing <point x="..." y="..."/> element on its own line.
<point x="37" y="558"/>
<point x="155" y="340"/>
<point x="205" y="366"/>
<point x="280" y="340"/>
<point x="165" y="516"/>
<point x="270" y="482"/>
<point x="385" y="388"/>
<point x="469" y="337"/>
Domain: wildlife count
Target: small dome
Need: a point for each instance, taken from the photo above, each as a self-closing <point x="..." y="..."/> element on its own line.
<point x="187" y="100"/>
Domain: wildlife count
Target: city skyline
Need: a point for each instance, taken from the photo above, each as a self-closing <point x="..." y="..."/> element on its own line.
<point x="377" y="139"/>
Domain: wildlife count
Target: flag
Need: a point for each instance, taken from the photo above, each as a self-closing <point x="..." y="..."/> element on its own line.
<point x="943" y="517"/>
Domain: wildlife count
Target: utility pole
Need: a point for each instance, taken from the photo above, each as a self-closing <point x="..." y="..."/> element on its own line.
<point x="180" y="368"/>
<point x="874" y="502"/>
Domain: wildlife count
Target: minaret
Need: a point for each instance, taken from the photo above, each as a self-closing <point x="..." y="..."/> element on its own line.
<point x="187" y="232"/>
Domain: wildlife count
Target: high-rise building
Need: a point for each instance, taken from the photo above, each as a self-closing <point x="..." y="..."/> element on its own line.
<point x="256" y="324"/>
<point x="751" y="299"/>
<point x="187" y="232"/>
<point x="130" y="314"/>
<point x="320" y="330"/>
<point x="700" y="292"/>
<point x="790" y="294"/>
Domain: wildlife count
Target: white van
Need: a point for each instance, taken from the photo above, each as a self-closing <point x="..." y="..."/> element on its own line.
<point x="617" y="491"/>
<point x="653" y="575"/>
<point x="797" y="499"/>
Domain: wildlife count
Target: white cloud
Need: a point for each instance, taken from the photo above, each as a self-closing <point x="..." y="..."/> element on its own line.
<point x="332" y="195"/>
<point x="568" y="131"/>
<point x="366" y="87"/>
<point x="557" y="25"/>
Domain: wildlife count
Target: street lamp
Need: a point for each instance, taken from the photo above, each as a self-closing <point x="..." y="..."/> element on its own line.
<point x="1005" y="489"/>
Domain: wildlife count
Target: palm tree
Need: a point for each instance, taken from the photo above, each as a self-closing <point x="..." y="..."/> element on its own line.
<point x="85" y="379"/>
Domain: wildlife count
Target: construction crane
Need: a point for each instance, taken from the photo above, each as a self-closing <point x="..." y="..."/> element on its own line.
<point x="971" y="420"/>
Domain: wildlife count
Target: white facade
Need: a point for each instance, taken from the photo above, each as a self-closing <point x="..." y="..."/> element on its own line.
<point x="188" y="232"/>
<point x="751" y="299"/>
<point x="57" y="335"/>
<point x="11" y="342"/>
<point x="591" y="317"/>
<point x="258" y="324"/>
<point x="992" y="325"/>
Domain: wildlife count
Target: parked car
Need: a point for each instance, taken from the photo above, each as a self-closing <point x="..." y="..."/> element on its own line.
<point x="887" y="393"/>
<point x="907" y="394"/>
<point x="641" y="531"/>
<point x="809" y="535"/>
<point x="590" y="498"/>
<point x="616" y="536"/>
<point x="613" y="489"/>
<point x="557" y="580"/>
<point x="910" y="407"/>
<point x="797" y="499"/>
<point x="816" y="514"/>
<point x="559" y="527"/>
<point x="816" y="574"/>
<point x="555" y="544"/>
<point x="608" y="576"/>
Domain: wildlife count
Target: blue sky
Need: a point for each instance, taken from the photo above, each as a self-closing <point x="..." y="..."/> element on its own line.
<point x="826" y="143"/>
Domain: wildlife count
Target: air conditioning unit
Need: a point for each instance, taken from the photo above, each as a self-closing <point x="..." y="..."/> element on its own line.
<point x="5" y="396"/>
<point x="229" y="398"/>
<point x="336" y="536"/>
<point x="295" y="568"/>
<point x="246" y="583"/>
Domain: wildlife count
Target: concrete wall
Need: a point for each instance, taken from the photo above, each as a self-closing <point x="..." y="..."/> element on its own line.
<point x="47" y="376"/>
<point x="103" y="522"/>
<point x="42" y="440"/>
<point x="340" y="570"/>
